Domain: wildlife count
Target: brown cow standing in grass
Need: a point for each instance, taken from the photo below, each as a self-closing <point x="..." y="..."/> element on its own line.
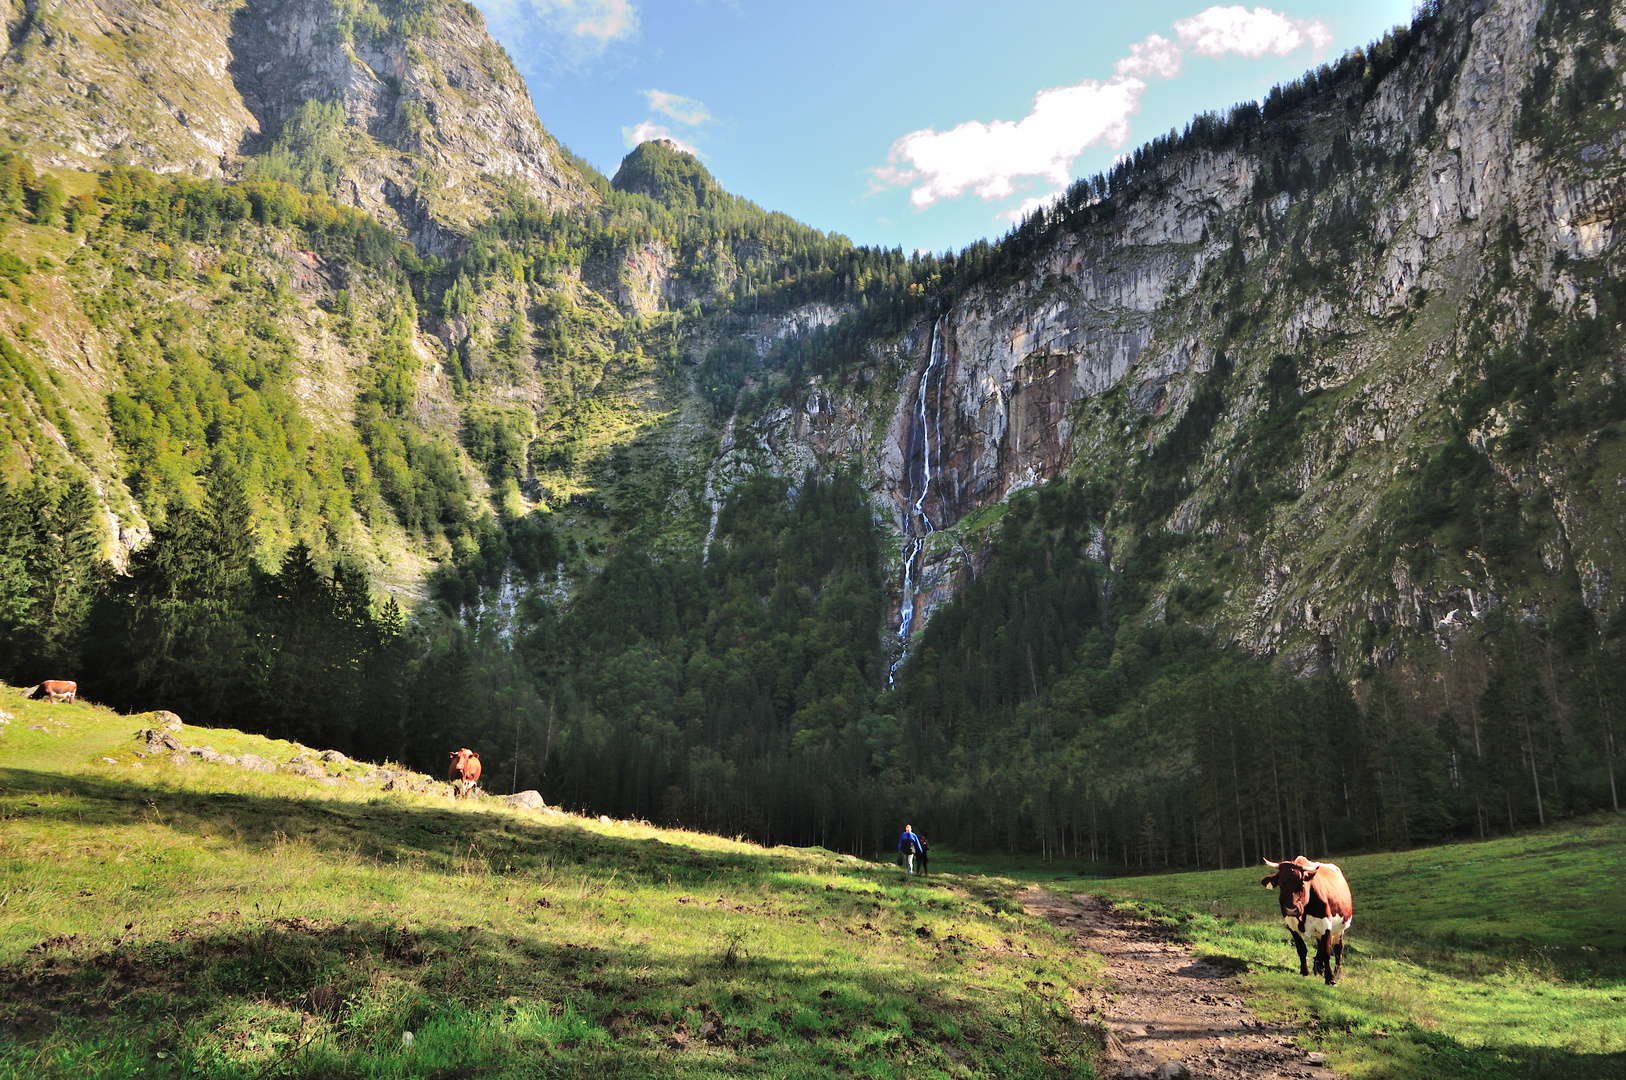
<point x="1315" y="903"/>
<point x="59" y="688"/>
<point x="465" y="771"/>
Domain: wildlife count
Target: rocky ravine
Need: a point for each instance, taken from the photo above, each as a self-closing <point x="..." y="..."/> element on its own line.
<point x="1174" y="1015"/>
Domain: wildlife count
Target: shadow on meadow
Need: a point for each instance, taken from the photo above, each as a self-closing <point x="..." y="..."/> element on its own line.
<point x="571" y="971"/>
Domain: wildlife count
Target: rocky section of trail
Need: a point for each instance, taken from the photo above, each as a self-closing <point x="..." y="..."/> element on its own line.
<point x="1174" y="1015"/>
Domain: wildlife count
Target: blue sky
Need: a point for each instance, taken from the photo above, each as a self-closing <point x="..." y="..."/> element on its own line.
<point x="910" y="124"/>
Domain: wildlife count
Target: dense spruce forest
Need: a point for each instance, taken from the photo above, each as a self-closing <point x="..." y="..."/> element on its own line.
<point x="750" y="683"/>
<point x="749" y="694"/>
<point x="1041" y="709"/>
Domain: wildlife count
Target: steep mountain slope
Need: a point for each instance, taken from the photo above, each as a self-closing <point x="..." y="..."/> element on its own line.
<point x="1309" y="345"/>
<point x="406" y="109"/>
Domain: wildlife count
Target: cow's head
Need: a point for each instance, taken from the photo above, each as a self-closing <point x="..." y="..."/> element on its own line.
<point x="1290" y="877"/>
<point x="463" y="756"/>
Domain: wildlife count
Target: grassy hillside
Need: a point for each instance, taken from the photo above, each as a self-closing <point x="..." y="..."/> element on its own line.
<point x="1505" y="958"/>
<point x="203" y="920"/>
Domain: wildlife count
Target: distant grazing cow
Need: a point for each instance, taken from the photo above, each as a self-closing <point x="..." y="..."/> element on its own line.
<point x="465" y="771"/>
<point x="59" y="688"/>
<point x="1316" y="904"/>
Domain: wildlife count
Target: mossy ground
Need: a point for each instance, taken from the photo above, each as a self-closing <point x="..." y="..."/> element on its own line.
<point x="1503" y="958"/>
<point x="202" y="920"/>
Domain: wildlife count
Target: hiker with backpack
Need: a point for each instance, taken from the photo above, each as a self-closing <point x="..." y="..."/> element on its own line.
<point x="909" y="846"/>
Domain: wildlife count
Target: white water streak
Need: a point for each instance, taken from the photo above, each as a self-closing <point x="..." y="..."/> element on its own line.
<point x="913" y="544"/>
<point x="725" y="443"/>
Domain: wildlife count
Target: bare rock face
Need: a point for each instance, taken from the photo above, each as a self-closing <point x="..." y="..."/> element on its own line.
<point x="135" y="82"/>
<point x="449" y="118"/>
<point x="437" y="123"/>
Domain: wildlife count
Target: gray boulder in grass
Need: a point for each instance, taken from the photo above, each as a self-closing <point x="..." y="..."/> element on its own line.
<point x="525" y="800"/>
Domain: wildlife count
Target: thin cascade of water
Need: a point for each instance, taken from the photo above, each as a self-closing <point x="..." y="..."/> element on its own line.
<point x="932" y="357"/>
<point x="907" y="614"/>
<point x="914" y="541"/>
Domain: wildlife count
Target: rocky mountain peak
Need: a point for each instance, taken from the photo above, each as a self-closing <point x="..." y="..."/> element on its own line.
<point x="405" y="108"/>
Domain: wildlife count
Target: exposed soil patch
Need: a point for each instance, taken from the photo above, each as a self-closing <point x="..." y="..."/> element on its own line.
<point x="1172" y="1011"/>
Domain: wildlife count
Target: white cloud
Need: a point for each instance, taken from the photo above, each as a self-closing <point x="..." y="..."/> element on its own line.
<point x="990" y="159"/>
<point x="686" y="111"/>
<point x="1157" y="56"/>
<point x="1221" y="30"/>
<point x="649" y="131"/>
<point x="602" y="19"/>
<point x="571" y="30"/>
<point x="682" y="109"/>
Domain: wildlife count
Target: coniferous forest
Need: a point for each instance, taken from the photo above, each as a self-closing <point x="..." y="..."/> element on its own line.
<point x="749" y="694"/>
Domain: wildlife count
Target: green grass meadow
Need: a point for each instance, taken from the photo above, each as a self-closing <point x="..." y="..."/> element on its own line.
<point x="201" y="920"/>
<point x="161" y="920"/>
<point x="1501" y="959"/>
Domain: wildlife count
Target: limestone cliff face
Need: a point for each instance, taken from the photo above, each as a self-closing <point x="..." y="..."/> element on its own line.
<point x="1374" y="282"/>
<point x="437" y="119"/>
<point x="448" y="113"/>
<point x="93" y="81"/>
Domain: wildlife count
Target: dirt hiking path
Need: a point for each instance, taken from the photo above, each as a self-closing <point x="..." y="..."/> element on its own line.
<point x="1174" y="1015"/>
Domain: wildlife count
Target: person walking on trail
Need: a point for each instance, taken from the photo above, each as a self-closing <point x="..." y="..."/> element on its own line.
<point x="925" y="848"/>
<point x="909" y="846"/>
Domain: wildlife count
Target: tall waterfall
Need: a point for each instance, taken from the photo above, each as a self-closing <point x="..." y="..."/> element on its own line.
<point x="917" y="524"/>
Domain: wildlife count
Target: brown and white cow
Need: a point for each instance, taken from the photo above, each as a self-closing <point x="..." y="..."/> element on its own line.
<point x="59" y="688"/>
<point x="1316" y="904"/>
<point x="465" y="771"/>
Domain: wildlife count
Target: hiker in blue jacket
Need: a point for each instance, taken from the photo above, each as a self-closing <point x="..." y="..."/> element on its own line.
<point x="909" y="846"/>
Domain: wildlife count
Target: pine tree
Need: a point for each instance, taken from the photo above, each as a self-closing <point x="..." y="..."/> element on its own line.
<point x="313" y="634"/>
<point x="1515" y="721"/>
<point x="17" y="543"/>
<point x="226" y="575"/>
<point x="67" y="572"/>
<point x="174" y="633"/>
<point x="50" y="570"/>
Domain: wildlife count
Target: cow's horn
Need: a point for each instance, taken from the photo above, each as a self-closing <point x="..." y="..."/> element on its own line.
<point x="1311" y="867"/>
<point x="1267" y="862"/>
